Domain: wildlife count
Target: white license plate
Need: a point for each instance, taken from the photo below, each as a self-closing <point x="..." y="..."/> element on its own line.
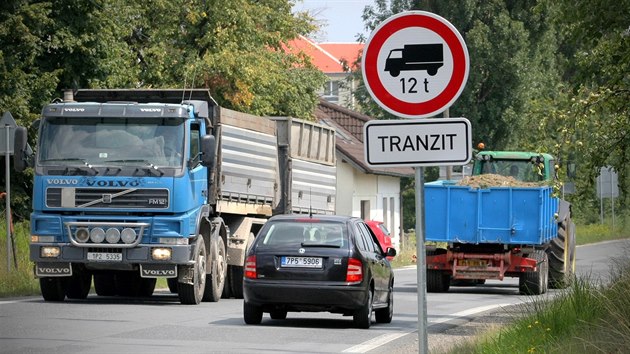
<point x="104" y="256"/>
<point x="301" y="262"/>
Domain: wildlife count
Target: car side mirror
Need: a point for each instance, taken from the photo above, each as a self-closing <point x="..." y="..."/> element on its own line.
<point x="391" y="252"/>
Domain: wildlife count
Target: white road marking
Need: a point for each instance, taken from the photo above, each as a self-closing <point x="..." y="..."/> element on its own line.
<point x="386" y="338"/>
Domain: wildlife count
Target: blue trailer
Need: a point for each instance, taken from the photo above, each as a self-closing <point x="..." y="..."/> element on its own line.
<point x="494" y="232"/>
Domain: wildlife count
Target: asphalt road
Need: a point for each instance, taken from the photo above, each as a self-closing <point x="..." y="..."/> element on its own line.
<point x="161" y="325"/>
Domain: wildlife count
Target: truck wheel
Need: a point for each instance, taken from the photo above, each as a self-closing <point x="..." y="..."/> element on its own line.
<point x="252" y="314"/>
<point x="535" y="283"/>
<point x="105" y="284"/>
<point x="53" y="289"/>
<point x="216" y="279"/>
<point x="191" y="294"/>
<point x="559" y="253"/>
<point x="79" y="284"/>
<point x="147" y="286"/>
<point x="128" y="283"/>
<point x="172" y="285"/>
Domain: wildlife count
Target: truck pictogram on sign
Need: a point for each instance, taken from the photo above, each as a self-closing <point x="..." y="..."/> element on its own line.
<point x="429" y="57"/>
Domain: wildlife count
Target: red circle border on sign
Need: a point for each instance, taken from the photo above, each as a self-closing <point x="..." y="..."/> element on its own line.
<point x="455" y="84"/>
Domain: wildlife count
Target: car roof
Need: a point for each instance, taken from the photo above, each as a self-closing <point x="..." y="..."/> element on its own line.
<point x="318" y="217"/>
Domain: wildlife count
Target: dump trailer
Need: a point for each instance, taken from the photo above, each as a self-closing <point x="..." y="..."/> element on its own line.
<point x="491" y="232"/>
<point x="135" y="185"/>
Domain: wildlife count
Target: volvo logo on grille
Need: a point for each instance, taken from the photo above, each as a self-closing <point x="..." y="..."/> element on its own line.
<point x="107" y="198"/>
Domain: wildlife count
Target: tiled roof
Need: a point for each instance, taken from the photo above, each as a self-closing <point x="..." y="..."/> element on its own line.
<point x="348" y="52"/>
<point x="327" y="57"/>
<point x="349" y="127"/>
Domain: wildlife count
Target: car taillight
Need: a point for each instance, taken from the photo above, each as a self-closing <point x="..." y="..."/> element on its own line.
<point x="355" y="271"/>
<point x="250" y="267"/>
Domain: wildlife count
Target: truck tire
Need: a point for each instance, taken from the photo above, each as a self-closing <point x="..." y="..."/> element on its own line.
<point x="128" y="284"/>
<point x="147" y="286"/>
<point x="191" y="294"/>
<point x="53" y="289"/>
<point x="172" y="285"/>
<point x="561" y="254"/>
<point x="535" y="283"/>
<point x="105" y="284"/>
<point x="79" y="284"/>
<point x="437" y="281"/>
<point x="216" y="279"/>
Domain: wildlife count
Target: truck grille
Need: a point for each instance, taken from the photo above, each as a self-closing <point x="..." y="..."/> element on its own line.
<point x="114" y="198"/>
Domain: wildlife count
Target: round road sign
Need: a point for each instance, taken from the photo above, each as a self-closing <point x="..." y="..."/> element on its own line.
<point x="415" y="64"/>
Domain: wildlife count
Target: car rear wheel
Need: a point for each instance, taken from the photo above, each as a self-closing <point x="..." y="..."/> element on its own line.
<point x="252" y="314"/>
<point x="363" y="316"/>
<point x="385" y="315"/>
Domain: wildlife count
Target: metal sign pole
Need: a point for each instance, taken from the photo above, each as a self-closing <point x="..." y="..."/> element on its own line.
<point x="423" y="346"/>
<point x="8" y="196"/>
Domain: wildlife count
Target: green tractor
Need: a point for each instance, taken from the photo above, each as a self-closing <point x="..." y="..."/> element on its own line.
<point x="538" y="167"/>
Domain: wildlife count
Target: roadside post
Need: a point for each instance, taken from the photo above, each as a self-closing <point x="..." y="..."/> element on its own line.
<point x="6" y="147"/>
<point x="415" y="65"/>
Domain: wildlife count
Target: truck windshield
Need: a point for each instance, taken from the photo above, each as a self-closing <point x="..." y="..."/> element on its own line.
<point x="108" y="141"/>
<point x="521" y="170"/>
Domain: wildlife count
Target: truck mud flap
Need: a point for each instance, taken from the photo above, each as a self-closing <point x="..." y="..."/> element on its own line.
<point x="158" y="270"/>
<point x="53" y="269"/>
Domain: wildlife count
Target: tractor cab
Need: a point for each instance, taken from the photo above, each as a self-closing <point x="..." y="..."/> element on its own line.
<point x="523" y="166"/>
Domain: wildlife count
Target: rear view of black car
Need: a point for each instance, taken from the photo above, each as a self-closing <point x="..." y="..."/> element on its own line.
<point x="320" y="263"/>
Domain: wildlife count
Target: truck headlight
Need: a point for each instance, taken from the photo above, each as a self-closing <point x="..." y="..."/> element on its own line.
<point x="161" y="254"/>
<point x="112" y="235"/>
<point x="97" y="235"/>
<point x="49" y="252"/>
<point x="82" y="235"/>
<point x="128" y="235"/>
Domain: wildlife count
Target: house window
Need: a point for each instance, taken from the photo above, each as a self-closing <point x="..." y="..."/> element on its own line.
<point x="365" y="209"/>
<point x="331" y="91"/>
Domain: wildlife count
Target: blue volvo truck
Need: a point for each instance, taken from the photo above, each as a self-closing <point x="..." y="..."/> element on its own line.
<point x="134" y="185"/>
<point x="491" y="231"/>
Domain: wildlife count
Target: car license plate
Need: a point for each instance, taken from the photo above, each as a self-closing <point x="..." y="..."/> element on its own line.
<point x="301" y="262"/>
<point x="104" y="257"/>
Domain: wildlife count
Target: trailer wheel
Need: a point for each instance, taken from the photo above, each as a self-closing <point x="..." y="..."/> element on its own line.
<point x="216" y="279"/>
<point x="561" y="254"/>
<point x="191" y="294"/>
<point x="437" y="281"/>
<point x="53" y="289"/>
<point x="78" y="285"/>
<point x="535" y="283"/>
<point x="105" y="284"/>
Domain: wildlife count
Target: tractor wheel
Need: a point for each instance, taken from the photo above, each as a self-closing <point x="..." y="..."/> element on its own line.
<point x="561" y="254"/>
<point x="535" y="283"/>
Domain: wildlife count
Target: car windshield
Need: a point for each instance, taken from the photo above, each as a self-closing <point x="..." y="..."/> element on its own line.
<point x="521" y="170"/>
<point x="107" y="141"/>
<point x="304" y="234"/>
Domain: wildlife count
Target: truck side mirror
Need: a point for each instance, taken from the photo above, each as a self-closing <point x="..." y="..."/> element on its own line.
<point x="20" y="151"/>
<point x="208" y="144"/>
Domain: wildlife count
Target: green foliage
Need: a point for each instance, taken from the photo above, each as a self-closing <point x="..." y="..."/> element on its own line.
<point x="20" y="281"/>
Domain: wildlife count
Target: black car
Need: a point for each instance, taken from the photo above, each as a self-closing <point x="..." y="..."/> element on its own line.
<point x="318" y="263"/>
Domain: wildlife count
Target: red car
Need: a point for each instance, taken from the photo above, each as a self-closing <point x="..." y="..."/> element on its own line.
<point x="382" y="234"/>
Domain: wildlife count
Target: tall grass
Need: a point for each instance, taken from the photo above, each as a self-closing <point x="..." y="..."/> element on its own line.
<point x="591" y="233"/>
<point x="586" y="318"/>
<point x="20" y="280"/>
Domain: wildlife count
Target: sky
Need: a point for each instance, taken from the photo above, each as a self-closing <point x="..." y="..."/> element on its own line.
<point x="341" y="19"/>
